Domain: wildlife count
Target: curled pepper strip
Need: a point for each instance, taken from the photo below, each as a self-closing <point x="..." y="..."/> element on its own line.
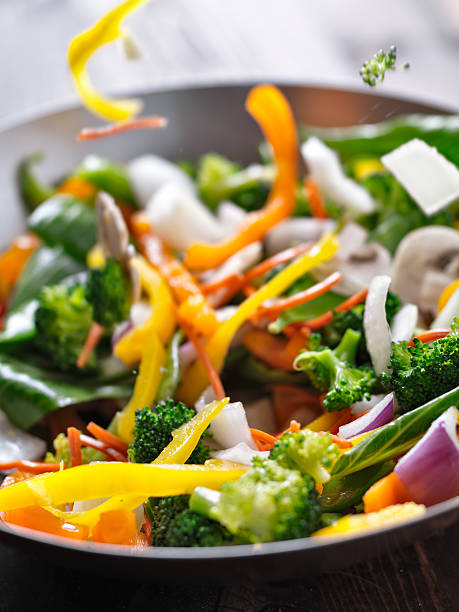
<point x="107" y="479"/>
<point x="270" y="108"/>
<point x="161" y="321"/>
<point x="192" y="304"/>
<point x="195" y="379"/>
<point x="106" y="30"/>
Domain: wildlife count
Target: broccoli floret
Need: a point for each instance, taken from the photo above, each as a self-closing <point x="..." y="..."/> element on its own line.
<point x="374" y="69"/>
<point x="62" y="452"/>
<point x="107" y="292"/>
<point x="334" y="372"/>
<point x="62" y="320"/>
<point x="192" y="529"/>
<point x="267" y="503"/>
<point x="153" y="432"/>
<point x="161" y="511"/>
<point x="306" y="451"/>
<point x="422" y="372"/>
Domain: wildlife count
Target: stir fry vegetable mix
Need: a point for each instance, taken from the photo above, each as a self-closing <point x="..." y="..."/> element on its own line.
<point x="267" y="293"/>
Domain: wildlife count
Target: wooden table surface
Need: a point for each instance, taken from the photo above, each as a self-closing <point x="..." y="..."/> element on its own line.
<point x="203" y="40"/>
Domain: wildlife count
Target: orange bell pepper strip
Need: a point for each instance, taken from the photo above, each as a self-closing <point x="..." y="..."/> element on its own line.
<point x="276" y="352"/>
<point x="13" y="260"/>
<point x="116" y="527"/>
<point x="387" y="491"/>
<point x="272" y="111"/>
<point x="37" y="518"/>
<point x="192" y="304"/>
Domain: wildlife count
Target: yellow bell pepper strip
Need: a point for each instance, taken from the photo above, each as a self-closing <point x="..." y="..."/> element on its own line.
<point x="195" y="379"/>
<point x="161" y="321"/>
<point x="352" y="524"/>
<point x="192" y="304"/>
<point x="270" y="108"/>
<point x="81" y="48"/>
<point x="446" y="294"/>
<point x="325" y="421"/>
<point x="146" y="386"/>
<point x="96" y="480"/>
<point x="185" y="438"/>
<point x="177" y="451"/>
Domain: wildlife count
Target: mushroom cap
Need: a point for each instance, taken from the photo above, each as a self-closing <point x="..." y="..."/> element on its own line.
<point x="421" y="252"/>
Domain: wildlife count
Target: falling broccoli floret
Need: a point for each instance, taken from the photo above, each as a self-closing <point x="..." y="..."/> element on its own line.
<point x="107" y="292"/>
<point x="62" y="320"/>
<point x="306" y="451"/>
<point x="267" y="503"/>
<point x="161" y="511"/>
<point x="422" y="372"/>
<point x="153" y="432"/>
<point x="334" y="372"/>
<point x="192" y="529"/>
<point x="374" y="70"/>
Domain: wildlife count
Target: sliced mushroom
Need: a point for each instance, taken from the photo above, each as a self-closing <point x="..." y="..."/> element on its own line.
<point x="423" y="265"/>
<point x="357" y="260"/>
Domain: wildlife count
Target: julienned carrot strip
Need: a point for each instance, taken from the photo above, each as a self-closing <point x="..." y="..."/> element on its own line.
<point x="319" y="322"/>
<point x="73" y="436"/>
<point x="315" y="198"/>
<point x="340" y="442"/>
<point x="276" y="260"/>
<point x="143" y="123"/>
<point x="354" y="300"/>
<point x="34" y="467"/>
<point x="263" y="440"/>
<point x="107" y="438"/>
<point x="430" y="336"/>
<point x="292" y="428"/>
<point x="302" y="297"/>
<point x="222" y="283"/>
<point x="209" y="367"/>
<point x="93" y="338"/>
<point x="111" y="453"/>
<point x="387" y="491"/>
<point x="344" y="418"/>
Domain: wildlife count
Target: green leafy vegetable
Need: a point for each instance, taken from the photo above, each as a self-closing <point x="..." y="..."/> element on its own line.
<point x="33" y="191"/>
<point x="341" y="493"/>
<point x="19" y="326"/>
<point x="395" y="438"/>
<point x="46" y="266"/>
<point x="63" y="220"/>
<point x="108" y="176"/>
<point x="29" y="392"/>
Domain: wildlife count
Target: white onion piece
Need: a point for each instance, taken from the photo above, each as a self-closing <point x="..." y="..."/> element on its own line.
<point x="88" y="504"/>
<point x="180" y="219"/>
<point x="325" y="168"/>
<point x="16" y="444"/>
<point x="404" y="323"/>
<point x="377" y="331"/>
<point x="139" y="313"/>
<point x="294" y="231"/>
<point x="378" y="416"/>
<point x="148" y="173"/>
<point x="230" y="426"/>
<point x="226" y="312"/>
<point x="447" y="313"/>
<point x="187" y="355"/>
<point x="430" y="470"/>
<point x="366" y="404"/>
<point x="230" y="216"/>
<point x="240" y="453"/>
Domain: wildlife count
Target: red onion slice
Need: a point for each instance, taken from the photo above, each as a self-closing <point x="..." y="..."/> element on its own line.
<point x="430" y="470"/>
<point x="121" y="330"/>
<point x="378" y="416"/>
<point x="187" y="354"/>
<point x="377" y="331"/>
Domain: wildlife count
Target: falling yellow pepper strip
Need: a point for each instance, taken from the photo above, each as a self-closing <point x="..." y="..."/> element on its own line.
<point x="184" y="441"/>
<point x="161" y="321"/>
<point x="351" y="524"/>
<point x="195" y="378"/>
<point x="106" y="30"/>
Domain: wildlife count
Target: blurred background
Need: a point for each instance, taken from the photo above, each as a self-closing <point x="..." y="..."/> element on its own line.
<point x="201" y="41"/>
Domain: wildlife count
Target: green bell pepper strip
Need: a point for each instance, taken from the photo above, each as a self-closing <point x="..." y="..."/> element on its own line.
<point x="33" y="191"/>
<point x="108" y="176"/>
<point x="171" y="377"/>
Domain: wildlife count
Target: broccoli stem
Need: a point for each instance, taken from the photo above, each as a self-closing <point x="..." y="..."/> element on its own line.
<point x="204" y="501"/>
